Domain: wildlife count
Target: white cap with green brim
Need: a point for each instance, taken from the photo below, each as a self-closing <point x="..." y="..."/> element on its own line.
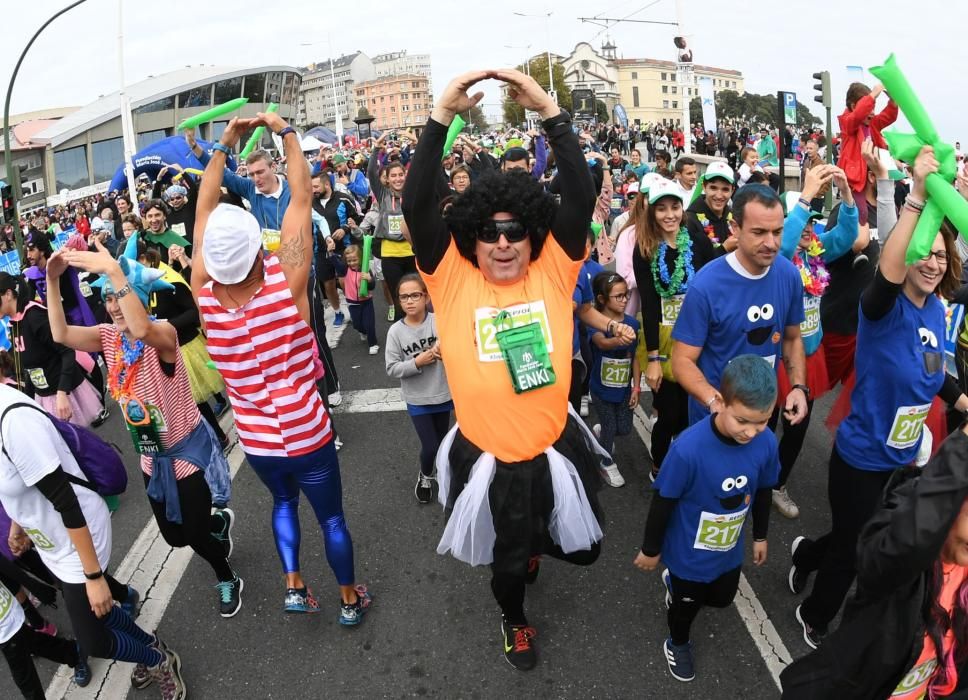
<point x="666" y="188"/>
<point x="648" y="180"/>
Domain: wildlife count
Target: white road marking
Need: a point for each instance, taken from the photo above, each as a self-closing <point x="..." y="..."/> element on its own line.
<point x="751" y="612"/>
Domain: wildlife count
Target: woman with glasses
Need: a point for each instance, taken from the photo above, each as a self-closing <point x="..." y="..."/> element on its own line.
<point x="900" y="369"/>
<point x="158" y="233"/>
<point x="666" y="258"/>
<point x="501" y="270"/>
<point x="180" y="454"/>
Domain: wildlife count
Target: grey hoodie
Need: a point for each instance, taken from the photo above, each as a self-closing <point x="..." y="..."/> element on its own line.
<point x="423" y="386"/>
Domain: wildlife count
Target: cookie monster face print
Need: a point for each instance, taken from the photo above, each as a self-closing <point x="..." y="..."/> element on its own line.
<point x="734" y="492"/>
<point x="762" y="326"/>
<point x="932" y="356"/>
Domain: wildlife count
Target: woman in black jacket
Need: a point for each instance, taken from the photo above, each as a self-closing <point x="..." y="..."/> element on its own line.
<point x="905" y="631"/>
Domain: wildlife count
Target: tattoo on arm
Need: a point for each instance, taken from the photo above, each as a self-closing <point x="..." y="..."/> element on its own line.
<point x="293" y="251"/>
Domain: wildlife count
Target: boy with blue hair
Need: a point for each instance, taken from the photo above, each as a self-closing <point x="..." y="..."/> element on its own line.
<point x="717" y="471"/>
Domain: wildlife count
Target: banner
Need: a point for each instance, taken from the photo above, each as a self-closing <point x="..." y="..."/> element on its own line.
<point x="583" y="104"/>
<point x="708" y="103"/>
<point x="620" y="116"/>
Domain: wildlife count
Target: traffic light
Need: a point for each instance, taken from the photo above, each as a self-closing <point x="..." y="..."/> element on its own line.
<point x="9" y="211"/>
<point x="823" y="87"/>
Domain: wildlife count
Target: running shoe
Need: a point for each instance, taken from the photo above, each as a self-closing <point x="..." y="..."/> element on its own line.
<point x="301" y="600"/>
<point x="220" y="408"/>
<point x="335" y="399"/>
<point x="583" y="407"/>
<point x="352" y="613"/>
<point x="363" y="337"/>
<point x="223" y="520"/>
<point x="597" y="430"/>
<point x="374" y="349"/>
<point x="130" y="606"/>
<point x="391" y="314"/>
<point x="667" y="582"/>
<point x="338" y="318"/>
<point x="534" y="567"/>
<point x="813" y="637"/>
<point x="82" y="671"/>
<point x="680" y="661"/>
<point x="337" y="443"/>
<point x="424" y="490"/>
<point x="168" y="676"/>
<point x="100" y="417"/>
<point x="230" y="596"/>
<point x="519" y="648"/>
<point x="653" y="474"/>
<point x="48" y="628"/>
<point x="611" y="475"/>
<point x="141" y="675"/>
<point x="859" y="260"/>
<point x="797" y="578"/>
<point x="783" y="503"/>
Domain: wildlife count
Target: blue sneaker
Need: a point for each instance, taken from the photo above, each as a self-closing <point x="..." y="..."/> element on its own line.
<point x="220" y="408"/>
<point x="679" y="658"/>
<point x="82" y="672"/>
<point x="338" y="319"/>
<point x="300" y="600"/>
<point x="130" y="606"/>
<point x="667" y="582"/>
<point x="352" y="613"/>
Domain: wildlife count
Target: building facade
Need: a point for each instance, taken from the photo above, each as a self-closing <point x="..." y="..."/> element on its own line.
<point x="402" y="63"/>
<point x="317" y="103"/>
<point x="646" y="87"/>
<point x="396" y="101"/>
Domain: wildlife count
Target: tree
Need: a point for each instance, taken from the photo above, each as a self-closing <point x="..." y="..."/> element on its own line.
<point x="601" y="112"/>
<point x="364" y="112"/>
<point x="538" y="68"/>
<point x="756" y="109"/>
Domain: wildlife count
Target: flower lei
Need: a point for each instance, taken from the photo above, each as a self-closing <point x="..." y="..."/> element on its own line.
<point x="678" y="282"/>
<point x="813" y="270"/>
<point x="127" y="358"/>
<point x="710" y="229"/>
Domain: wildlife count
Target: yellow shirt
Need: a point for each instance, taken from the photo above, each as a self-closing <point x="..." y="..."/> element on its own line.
<point x="514" y="427"/>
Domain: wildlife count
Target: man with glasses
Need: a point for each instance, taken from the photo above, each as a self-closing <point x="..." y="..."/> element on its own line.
<point x="180" y="197"/>
<point x="501" y="270"/>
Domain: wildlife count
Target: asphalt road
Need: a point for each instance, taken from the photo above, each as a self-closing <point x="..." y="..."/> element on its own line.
<point x="434" y="628"/>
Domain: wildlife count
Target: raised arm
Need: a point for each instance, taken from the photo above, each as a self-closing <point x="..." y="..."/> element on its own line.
<point x="84" y="338"/>
<point x="373" y="167"/>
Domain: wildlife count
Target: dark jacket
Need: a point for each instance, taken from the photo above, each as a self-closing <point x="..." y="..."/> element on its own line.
<point x="882" y="631"/>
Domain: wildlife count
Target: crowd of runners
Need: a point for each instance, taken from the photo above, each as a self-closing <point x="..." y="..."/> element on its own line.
<point x="543" y="286"/>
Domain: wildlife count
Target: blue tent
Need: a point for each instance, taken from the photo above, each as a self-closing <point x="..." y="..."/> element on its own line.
<point x="153" y="158"/>
<point x="322" y="133"/>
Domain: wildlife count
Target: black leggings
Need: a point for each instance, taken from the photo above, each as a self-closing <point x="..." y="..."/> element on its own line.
<point x="195" y="530"/>
<point x="208" y="413"/>
<point x="791" y="443"/>
<point x="688" y="598"/>
<point x="671" y="403"/>
<point x="393" y="270"/>
<point x="431" y="429"/>
<point x="20" y="649"/>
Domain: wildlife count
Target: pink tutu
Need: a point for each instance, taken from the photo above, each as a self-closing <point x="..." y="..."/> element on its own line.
<point x="85" y="404"/>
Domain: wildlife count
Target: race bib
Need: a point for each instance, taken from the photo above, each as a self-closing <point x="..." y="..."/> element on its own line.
<point x="671" y="307"/>
<point x="485" y="332"/>
<point x="270" y="239"/>
<point x="916" y="680"/>
<point x="145" y="428"/>
<point x="38" y="378"/>
<point x="616" y="202"/>
<point x="395" y="225"/>
<point x="811" y="322"/>
<point x="179" y="229"/>
<point x="718" y="532"/>
<point x="40" y="540"/>
<point x="616" y="372"/>
<point x="906" y="429"/>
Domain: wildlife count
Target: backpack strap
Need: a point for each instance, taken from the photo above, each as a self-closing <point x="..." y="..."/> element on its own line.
<point x="70" y="477"/>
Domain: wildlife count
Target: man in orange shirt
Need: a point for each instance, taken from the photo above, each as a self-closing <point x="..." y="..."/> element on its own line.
<point x="501" y="271"/>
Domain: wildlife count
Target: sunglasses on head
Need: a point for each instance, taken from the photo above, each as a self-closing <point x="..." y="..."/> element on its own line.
<point x="512" y="229"/>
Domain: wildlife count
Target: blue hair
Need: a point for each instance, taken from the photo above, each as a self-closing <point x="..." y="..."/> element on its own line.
<point x="753" y="193"/>
<point x="750" y="380"/>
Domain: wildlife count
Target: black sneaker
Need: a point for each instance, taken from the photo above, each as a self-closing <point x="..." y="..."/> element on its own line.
<point x="680" y="661"/>
<point x="223" y="520"/>
<point x="230" y="596"/>
<point x="424" y="490"/>
<point x="813" y="637"/>
<point x="519" y="647"/>
<point x="534" y="566"/>
<point x="102" y="416"/>
<point x="798" y="577"/>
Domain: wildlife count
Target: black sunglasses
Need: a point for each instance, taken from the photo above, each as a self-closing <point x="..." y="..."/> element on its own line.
<point x="513" y="230"/>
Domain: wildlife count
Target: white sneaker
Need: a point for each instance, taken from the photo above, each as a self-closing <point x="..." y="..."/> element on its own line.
<point x="611" y="475"/>
<point x="363" y="336"/>
<point x="597" y="429"/>
<point x="374" y="349"/>
<point x="337" y="443"/>
<point x="783" y="503"/>
<point x="583" y="410"/>
<point x="335" y="399"/>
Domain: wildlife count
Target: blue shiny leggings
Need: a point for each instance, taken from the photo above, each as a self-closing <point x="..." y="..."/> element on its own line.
<point x="316" y="475"/>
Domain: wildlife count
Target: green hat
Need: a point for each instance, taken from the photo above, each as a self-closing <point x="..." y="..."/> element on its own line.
<point x="339" y="159"/>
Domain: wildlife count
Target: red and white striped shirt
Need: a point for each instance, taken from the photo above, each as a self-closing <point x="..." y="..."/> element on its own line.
<point x="264" y="351"/>
<point x="171" y="396"/>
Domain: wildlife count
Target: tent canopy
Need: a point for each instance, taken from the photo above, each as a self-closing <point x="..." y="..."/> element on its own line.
<point x="151" y="159"/>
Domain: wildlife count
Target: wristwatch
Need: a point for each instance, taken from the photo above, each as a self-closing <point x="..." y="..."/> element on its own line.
<point x="804" y="388"/>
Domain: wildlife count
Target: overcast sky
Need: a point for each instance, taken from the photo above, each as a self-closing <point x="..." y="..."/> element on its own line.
<point x="777" y="45"/>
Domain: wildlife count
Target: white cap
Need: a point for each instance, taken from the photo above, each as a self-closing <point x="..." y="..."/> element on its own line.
<point x="665" y="188"/>
<point x="633" y="187"/>
<point x="719" y="169"/>
<point x="648" y="180"/>
<point x="232" y="241"/>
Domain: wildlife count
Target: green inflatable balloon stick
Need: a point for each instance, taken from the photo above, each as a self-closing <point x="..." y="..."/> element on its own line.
<point x="213" y="113"/>
<point x="365" y="264"/>
<point x="257" y="134"/>
<point x="455" y="128"/>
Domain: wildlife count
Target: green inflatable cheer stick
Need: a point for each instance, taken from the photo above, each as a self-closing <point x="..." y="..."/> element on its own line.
<point x="900" y="90"/>
<point x="365" y="264"/>
<point x="213" y="113"/>
<point x="455" y="128"/>
<point x="257" y="134"/>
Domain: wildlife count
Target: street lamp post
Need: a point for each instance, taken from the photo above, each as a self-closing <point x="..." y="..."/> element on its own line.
<point x="547" y="16"/>
<point x="6" y="124"/>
